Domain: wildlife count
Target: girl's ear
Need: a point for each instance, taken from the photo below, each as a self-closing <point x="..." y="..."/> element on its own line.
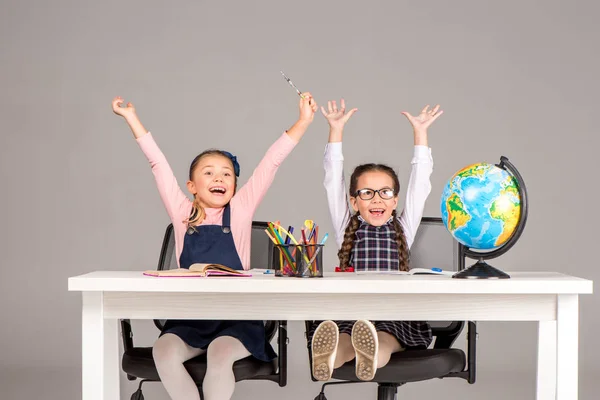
<point x="355" y="205"/>
<point x="191" y="187"/>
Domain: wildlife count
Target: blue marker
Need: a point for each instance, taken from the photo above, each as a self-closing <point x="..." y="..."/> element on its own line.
<point x="436" y="269"/>
<point x="287" y="237"/>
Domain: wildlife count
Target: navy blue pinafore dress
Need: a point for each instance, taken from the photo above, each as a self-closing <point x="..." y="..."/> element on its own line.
<point x="214" y="244"/>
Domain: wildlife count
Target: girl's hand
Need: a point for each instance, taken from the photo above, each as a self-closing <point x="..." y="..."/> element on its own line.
<point x="125" y="112"/>
<point x="421" y="122"/>
<point x="337" y="118"/>
<point x="130" y="116"/>
<point x="308" y="107"/>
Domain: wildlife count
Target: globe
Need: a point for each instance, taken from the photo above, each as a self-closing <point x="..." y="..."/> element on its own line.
<point x="481" y="206"/>
<point x="484" y="208"/>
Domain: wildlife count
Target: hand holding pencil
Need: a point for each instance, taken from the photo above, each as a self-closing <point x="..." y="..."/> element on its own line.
<point x="308" y="107"/>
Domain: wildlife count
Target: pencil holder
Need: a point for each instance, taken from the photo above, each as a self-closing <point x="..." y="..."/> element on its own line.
<point x="299" y="260"/>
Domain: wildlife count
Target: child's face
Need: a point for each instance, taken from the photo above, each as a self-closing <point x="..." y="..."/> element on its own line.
<point x="377" y="210"/>
<point x="213" y="181"/>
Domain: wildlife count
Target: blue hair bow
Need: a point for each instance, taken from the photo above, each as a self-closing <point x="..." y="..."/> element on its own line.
<point x="236" y="165"/>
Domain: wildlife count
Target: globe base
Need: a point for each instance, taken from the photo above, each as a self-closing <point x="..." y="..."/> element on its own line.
<point x="481" y="270"/>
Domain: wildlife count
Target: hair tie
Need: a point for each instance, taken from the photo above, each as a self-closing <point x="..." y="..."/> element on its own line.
<point x="236" y="165"/>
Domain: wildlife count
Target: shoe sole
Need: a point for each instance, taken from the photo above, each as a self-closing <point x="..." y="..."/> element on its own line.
<point x="366" y="346"/>
<point x="324" y="349"/>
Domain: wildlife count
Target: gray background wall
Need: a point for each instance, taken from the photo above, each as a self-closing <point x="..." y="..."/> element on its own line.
<point x="515" y="78"/>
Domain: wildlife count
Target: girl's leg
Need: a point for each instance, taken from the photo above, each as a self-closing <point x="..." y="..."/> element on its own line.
<point x="170" y="352"/>
<point x="219" y="381"/>
<point x="330" y="350"/>
<point x="373" y="349"/>
<point x="388" y="344"/>
<point x="345" y="351"/>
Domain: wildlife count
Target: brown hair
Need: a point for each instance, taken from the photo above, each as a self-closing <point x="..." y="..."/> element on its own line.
<point x="348" y="243"/>
<point x="197" y="215"/>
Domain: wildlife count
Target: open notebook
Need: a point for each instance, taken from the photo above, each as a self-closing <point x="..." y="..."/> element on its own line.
<point x="198" y="270"/>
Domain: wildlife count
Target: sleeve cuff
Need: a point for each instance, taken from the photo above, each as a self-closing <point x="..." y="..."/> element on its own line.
<point x="144" y="138"/>
<point x="333" y="151"/>
<point x="289" y="141"/>
<point x="422" y="153"/>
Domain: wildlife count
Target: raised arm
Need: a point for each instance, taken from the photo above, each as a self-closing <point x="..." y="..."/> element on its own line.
<point x="251" y="194"/>
<point x="419" y="184"/>
<point x="333" y="163"/>
<point x="175" y="201"/>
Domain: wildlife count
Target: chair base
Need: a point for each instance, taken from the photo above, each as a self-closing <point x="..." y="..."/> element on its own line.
<point x="387" y="391"/>
<point x="139" y="395"/>
<point x="321" y="395"/>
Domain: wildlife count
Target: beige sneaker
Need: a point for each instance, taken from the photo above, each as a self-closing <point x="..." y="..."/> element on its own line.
<point x="366" y="346"/>
<point x="324" y="348"/>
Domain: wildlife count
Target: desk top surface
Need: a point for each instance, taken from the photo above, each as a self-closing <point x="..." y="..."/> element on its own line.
<point x="519" y="283"/>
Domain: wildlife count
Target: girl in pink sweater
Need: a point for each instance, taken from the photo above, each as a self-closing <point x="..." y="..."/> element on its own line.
<point x="214" y="227"/>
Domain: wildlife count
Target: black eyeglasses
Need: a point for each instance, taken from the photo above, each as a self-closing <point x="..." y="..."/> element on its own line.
<point x="368" y="194"/>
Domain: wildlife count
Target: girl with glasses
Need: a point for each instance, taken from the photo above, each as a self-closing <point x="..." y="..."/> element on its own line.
<point x="372" y="238"/>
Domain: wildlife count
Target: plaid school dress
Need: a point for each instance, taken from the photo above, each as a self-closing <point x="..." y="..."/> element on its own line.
<point x="375" y="249"/>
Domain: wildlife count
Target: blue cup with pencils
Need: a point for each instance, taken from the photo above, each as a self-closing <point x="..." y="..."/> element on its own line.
<point x="298" y="258"/>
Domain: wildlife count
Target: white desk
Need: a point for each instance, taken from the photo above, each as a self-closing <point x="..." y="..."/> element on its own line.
<point x="550" y="298"/>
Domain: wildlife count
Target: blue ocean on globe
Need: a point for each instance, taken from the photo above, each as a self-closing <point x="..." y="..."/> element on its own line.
<point x="480" y="206"/>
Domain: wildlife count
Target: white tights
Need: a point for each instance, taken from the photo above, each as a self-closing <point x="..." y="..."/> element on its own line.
<point x="170" y="352"/>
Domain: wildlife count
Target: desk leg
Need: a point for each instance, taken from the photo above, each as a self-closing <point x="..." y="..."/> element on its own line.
<point x="99" y="351"/>
<point x="546" y="357"/>
<point x="568" y="346"/>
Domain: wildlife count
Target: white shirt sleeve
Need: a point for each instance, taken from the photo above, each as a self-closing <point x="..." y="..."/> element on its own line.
<point x="419" y="187"/>
<point x="335" y="186"/>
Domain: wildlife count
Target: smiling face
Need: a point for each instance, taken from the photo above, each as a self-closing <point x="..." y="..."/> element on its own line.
<point x="212" y="180"/>
<point x="378" y="209"/>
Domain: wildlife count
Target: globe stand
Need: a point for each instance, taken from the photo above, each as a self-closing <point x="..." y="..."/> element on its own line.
<point x="481" y="270"/>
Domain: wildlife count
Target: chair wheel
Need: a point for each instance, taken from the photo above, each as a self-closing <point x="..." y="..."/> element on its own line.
<point x="137" y="395"/>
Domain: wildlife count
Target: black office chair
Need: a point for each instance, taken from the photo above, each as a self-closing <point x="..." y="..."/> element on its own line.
<point x="138" y="363"/>
<point x="432" y="247"/>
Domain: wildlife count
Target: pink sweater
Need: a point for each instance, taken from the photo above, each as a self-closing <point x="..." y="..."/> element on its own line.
<point x="243" y="204"/>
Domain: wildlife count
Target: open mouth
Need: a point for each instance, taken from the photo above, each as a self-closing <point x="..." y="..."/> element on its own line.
<point x="218" y="190"/>
<point x="376" y="212"/>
